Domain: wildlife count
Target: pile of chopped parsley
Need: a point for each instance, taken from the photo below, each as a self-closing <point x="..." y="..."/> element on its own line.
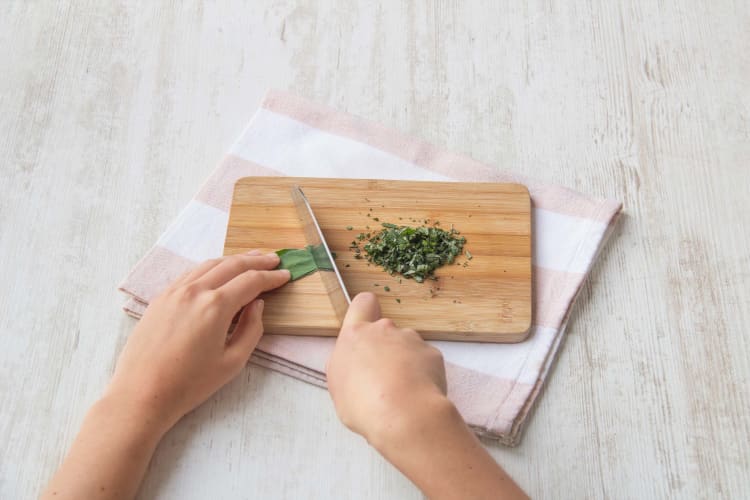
<point x="413" y="252"/>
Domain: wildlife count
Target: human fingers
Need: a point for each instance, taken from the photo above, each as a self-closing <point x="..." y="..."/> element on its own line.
<point x="234" y="265"/>
<point x="203" y="268"/>
<point x="246" y="335"/>
<point x="364" y="308"/>
<point x="198" y="270"/>
<point x="247" y="286"/>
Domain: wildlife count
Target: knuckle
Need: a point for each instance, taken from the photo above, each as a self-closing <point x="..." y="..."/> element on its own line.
<point x="178" y="281"/>
<point x="241" y="258"/>
<point x="217" y="297"/>
<point x="409" y="331"/>
<point x="255" y="329"/>
<point x="213" y="303"/>
<point x="254" y="278"/>
<point x="236" y="264"/>
<point x="349" y="331"/>
<point x="248" y="261"/>
<point x="436" y="353"/>
<point x="386" y="323"/>
<point x="191" y="291"/>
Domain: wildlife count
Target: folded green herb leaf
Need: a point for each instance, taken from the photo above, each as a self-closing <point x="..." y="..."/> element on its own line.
<point x="303" y="261"/>
<point x="414" y="252"/>
<point x="320" y="257"/>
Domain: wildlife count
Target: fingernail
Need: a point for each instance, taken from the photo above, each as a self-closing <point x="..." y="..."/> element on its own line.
<point x="254" y="252"/>
<point x="273" y="255"/>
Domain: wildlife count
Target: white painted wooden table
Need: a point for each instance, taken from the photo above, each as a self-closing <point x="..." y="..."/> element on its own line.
<point x="111" y="116"/>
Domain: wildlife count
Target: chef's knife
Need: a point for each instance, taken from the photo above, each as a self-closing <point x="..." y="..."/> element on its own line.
<point x="332" y="280"/>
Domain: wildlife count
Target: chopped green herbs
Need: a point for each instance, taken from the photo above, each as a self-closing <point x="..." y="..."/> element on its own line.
<point x="398" y="300"/>
<point x="387" y="288"/>
<point x="468" y="255"/>
<point x="413" y="252"/>
<point x="349" y="228"/>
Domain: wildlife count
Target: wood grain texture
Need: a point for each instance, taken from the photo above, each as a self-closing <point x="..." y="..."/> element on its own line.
<point x="486" y="299"/>
<point x="114" y="113"/>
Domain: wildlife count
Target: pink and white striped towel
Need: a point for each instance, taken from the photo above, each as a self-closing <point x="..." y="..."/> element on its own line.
<point x="493" y="385"/>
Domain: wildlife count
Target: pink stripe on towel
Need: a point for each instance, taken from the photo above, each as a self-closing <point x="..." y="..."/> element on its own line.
<point x="553" y="292"/>
<point x="462" y="168"/>
<point x="158" y="268"/>
<point x="217" y="191"/>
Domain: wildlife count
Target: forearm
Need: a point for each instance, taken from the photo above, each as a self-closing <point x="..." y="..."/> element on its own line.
<point x="176" y="357"/>
<point x="110" y="454"/>
<point x="438" y="452"/>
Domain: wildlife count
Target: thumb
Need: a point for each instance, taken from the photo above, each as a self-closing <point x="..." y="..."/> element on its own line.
<point x="246" y="334"/>
<point x="364" y="308"/>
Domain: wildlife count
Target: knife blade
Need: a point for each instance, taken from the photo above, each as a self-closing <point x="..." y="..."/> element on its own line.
<point x="335" y="287"/>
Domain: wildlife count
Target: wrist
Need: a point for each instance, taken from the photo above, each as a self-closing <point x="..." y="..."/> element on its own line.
<point x="437" y="451"/>
<point x="412" y="425"/>
<point x="139" y="418"/>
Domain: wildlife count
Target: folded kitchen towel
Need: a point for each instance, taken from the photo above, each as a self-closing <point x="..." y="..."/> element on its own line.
<point x="493" y="385"/>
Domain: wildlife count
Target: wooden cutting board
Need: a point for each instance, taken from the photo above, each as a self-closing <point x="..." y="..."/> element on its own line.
<point x="487" y="298"/>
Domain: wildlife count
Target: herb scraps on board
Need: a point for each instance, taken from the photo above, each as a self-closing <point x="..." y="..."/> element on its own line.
<point x="413" y="252"/>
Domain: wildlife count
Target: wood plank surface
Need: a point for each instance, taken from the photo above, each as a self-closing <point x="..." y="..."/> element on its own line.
<point x="487" y="298"/>
<point x="113" y="113"/>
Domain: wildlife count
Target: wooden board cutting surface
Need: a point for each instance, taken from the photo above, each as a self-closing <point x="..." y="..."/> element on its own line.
<point x="487" y="299"/>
